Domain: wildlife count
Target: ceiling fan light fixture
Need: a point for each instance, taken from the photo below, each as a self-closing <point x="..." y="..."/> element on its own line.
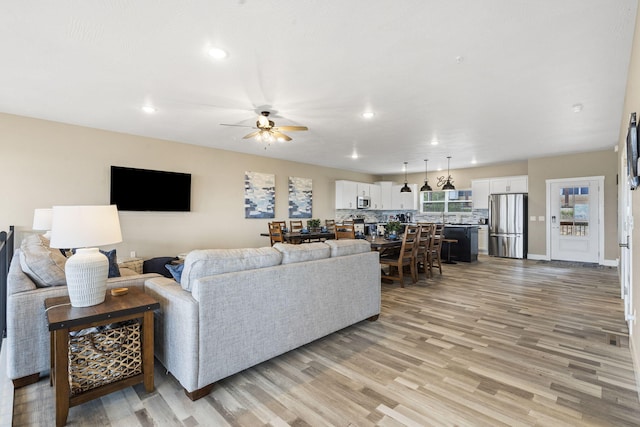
<point x="405" y="188"/>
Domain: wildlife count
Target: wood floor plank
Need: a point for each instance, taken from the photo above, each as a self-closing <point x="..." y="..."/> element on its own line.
<point x="497" y="342"/>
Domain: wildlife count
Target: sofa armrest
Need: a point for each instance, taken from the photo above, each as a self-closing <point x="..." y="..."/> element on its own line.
<point x="176" y="329"/>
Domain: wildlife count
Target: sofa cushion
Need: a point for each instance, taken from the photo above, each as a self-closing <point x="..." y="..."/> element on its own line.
<point x="208" y="262"/>
<point x="303" y="252"/>
<point x="43" y="265"/>
<point x="134" y="265"/>
<point x="348" y="247"/>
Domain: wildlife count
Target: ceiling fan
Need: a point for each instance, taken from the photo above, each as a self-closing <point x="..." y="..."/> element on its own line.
<point x="267" y="130"/>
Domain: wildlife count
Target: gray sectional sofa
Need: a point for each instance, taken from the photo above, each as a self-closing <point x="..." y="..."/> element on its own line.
<point x="235" y="308"/>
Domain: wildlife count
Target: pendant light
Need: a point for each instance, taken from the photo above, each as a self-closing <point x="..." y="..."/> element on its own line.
<point x="406" y="188"/>
<point x="426" y="186"/>
<point x="448" y="184"/>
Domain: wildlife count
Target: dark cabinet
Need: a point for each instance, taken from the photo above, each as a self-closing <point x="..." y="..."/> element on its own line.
<point x="466" y="250"/>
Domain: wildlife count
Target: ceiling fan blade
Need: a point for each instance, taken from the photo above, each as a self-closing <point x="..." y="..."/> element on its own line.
<point x="290" y="128"/>
<point x="251" y="135"/>
<point x="279" y="135"/>
<point x="240" y="126"/>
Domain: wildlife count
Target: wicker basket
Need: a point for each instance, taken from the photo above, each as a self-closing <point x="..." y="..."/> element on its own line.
<point x="100" y="358"/>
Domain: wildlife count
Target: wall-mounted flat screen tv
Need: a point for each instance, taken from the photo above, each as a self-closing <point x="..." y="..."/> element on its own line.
<point x="150" y="190"/>
<point x="632" y="153"/>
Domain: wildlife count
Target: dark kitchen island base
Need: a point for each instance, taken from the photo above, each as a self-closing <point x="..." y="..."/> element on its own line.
<point x="466" y="250"/>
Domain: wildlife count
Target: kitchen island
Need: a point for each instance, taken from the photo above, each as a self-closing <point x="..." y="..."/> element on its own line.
<point x="466" y="250"/>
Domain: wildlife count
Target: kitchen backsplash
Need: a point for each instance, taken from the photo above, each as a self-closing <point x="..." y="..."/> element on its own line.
<point x="371" y="216"/>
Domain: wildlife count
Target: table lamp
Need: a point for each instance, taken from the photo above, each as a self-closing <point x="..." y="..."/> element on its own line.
<point x="83" y="227"/>
<point x="42" y="221"/>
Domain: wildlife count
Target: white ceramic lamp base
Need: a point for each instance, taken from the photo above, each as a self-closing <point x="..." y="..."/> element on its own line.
<point x="87" y="273"/>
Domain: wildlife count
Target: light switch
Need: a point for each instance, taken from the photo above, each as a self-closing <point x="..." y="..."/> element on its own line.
<point x="532" y="218"/>
<point x="541" y="218"/>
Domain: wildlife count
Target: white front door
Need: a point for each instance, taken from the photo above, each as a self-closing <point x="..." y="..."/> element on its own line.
<point x="574" y="218"/>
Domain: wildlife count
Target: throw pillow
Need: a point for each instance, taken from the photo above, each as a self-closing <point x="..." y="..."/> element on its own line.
<point x="114" y="270"/>
<point x="176" y="270"/>
<point x="157" y="265"/>
<point x="43" y="265"/>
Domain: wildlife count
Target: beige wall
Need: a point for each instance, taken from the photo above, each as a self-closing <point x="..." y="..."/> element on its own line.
<point x="47" y="163"/>
<point x="632" y="104"/>
<point x="599" y="163"/>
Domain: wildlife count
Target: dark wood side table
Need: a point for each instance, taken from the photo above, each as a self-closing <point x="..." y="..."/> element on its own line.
<point x="63" y="318"/>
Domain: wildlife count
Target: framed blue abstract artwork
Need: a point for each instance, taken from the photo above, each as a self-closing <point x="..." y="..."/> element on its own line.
<point x="259" y="195"/>
<point x="300" y="197"/>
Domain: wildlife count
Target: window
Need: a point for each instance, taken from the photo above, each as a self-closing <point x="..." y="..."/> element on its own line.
<point x="457" y="201"/>
<point x="574" y="211"/>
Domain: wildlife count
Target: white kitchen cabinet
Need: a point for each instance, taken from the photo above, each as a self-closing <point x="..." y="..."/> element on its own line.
<point x="386" y="187"/>
<point x="363" y="189"/>
<point x="480" y="190"/>
<point x="510" y="184"/>
<point x="346" y="194"/>
<point x="404" y="201"/>
<point x="483" y="239"/>
<point x="375" y="194"/>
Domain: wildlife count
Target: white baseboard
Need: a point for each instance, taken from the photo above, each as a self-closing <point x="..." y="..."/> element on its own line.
<point x="610" y="262"/>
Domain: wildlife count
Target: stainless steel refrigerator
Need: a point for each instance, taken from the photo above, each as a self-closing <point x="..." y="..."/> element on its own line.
<point x="508" y="225"/>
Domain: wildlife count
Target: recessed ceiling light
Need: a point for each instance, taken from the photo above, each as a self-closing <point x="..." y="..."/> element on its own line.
<point x="459" y="59"/>
<point x="474" y="161"/>
<point x="434" y="142"/>
<point x="368" y="114"/>
<point x="148" y="109"/>
<point x="217" y="53"/>
<point x="577" y="108"/>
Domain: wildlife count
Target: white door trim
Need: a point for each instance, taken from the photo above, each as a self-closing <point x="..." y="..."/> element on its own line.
<point x="600" y="180"/>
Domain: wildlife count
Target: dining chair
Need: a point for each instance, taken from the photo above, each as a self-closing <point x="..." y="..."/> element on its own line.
<point x="275" y="232"/>
<point x="405" y="258"/>
<point x="424" y="245"/>
<point x="283" y="224"/>
<point x="295" y="225"/>
<point x="436" y="246"/>
<point x="345" y="231"/>
<point x="330" y="224"/>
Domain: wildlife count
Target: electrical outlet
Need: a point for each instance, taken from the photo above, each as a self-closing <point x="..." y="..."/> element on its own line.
<point x="132" y="254"/>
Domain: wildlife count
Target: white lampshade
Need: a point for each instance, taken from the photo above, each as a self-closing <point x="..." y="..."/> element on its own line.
<point x="85" y="226"/>
<point x="87" y="270"/>
<point x="42" y="219"/>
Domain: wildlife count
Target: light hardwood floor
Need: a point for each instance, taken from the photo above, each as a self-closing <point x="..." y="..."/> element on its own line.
<point x="496" y="343"/>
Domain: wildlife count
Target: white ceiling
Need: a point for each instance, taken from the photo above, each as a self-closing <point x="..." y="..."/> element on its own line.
<point x="491" y="80"/>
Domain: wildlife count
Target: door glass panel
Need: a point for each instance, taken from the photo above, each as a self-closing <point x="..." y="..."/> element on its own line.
<point x="574" y="211"/>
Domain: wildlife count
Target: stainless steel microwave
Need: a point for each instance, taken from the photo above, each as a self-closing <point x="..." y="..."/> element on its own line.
<point x="364" y="202"/>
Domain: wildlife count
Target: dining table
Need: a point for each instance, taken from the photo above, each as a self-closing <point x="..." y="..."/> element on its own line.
<point x="382" y="244"/>
<point x="300" y="237"/>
